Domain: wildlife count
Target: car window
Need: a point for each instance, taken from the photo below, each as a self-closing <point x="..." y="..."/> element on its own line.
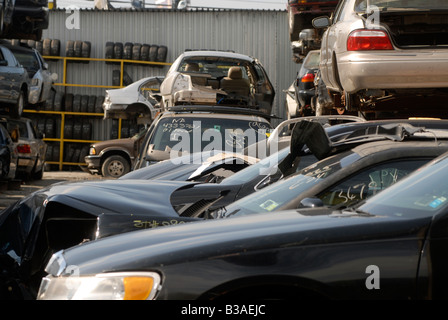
<point x="284" y="191"/>
<point x="27" y="60"/>
<point x="423" y="193"/>
<point x="217" y="67"/>
<point x="21" y="126"/>
<point x="312" y="60"/>
<point x="368" y="182"/>
<point x="338" y="11"/>
<point x="149" y="88"/>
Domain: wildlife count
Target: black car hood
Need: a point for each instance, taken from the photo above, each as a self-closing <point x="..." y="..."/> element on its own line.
<point x="227" y="237"/>
<point x="124" y="196"/>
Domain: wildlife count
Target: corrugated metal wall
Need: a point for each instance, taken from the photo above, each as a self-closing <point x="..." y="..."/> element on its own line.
<point x="261" y="34"/>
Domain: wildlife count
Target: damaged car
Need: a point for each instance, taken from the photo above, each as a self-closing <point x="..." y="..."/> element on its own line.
<point x="377" y="53"/>
<point x="391" y="246"/>
<point x="218" y="78"/>
<point x="41" y="78"/>
<point x="138" y="100"/>
<point x="64" y="215"/>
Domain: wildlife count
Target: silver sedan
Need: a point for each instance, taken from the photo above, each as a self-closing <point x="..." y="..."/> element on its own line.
<point x="377" y="49"/>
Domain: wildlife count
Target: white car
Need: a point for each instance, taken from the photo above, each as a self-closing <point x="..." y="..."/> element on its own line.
<point x="217" y="78"/>
<point x="373" y="50"/>
<point x="137" y="99"/>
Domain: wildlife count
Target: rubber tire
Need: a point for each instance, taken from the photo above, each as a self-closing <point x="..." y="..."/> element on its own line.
<point x="91" y="104"/>
<point x="127" y="80"/>
<point x="16" y="110"/>
<point x="57" y="103"/>
<point x="153" y="52"/>
<point x="127" y="51"/>
<point x="77" y="103"/>
<point x="69" y="48"/>
<point x="68" y="102"/>
<point x="162" y="53"/>
<point x="115" y="166"/>
<point x="109" y="51"/>
<point x="117" y="51"/>
<point x="50" y="101"/>
<point x="68" y="129"/>
<point x="116" y="78"/>
<point x="136" y="51"/>
<point x="144" y="52"/>
<point x="46" y="47"/>
<point x="99" y="104"/>
<point x="39" y="47"/>
<point x="84" y="102"/>
<point x="55" y="49"/>
<point x="85" y="50"/>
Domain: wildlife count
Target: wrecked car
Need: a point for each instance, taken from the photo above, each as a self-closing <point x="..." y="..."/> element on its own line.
<point x="375" y="53"/>
<point x="66" y="214"/>
<point x="191" y="129"/>
<point x="217" y="78"/>
<point x="41" y="79"/>
<point x="137" y="100"/>
<point x="392" y="246"/>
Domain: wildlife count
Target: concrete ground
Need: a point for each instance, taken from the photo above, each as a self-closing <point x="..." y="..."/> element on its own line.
<point x="17" y="190"/>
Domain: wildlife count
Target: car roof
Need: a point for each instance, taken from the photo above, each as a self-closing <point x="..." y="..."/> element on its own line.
<point x="211" y="53"/>
<point x="215" y="112"/>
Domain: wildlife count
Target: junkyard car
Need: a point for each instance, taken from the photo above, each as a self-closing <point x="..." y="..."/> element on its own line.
<point x="392" y="246"/>
<point x="376" y="53"/>
<point x="41" y="79"/>
<point x="31" y="148"/>
<point x="8" y="154"/>
<point x="14" y="83"/>
<point x="217" y="78"/>
<point x="191" y="129"/>
<point x="136" y="100"/>
<point x="72" y="213"/>
<point x="301" y="93"/>
<point x="114" y="158"/>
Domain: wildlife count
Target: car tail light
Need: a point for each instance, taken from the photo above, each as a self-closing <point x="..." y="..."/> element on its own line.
<point x="309" y="77"/>
<point x="368" y="40"/>
<point x="24" y="148"/>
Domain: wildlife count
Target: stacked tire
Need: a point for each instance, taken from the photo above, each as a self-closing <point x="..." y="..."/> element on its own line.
<point x="136" y="52"/>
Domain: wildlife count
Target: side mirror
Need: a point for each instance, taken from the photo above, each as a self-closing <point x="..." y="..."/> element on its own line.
<point x="311" y="203"/>
<point x="321" y="22"/>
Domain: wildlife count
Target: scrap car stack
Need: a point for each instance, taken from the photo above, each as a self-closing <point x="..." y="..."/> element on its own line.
<point x="212" y="201"/>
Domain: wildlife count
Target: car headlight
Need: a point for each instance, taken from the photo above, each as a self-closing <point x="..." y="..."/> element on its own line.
<point x="92" y="151"/>
<point x="106" y="286"/>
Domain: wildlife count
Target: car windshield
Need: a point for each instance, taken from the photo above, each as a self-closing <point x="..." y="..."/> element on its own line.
<point x="28" y="61"/>
<point x="384" y="5"/>
<point x="312" y="60"/>
<point x="195" y="134"/>
<point x="422" y="193"/>
<point x="217" y="67"/>
<point x="284" y="191"/>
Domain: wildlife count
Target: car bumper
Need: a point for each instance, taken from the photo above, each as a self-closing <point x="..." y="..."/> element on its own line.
<point x="389" y="70"/>
<point x="25" y="164"/>
<point x="93" y="163"/>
